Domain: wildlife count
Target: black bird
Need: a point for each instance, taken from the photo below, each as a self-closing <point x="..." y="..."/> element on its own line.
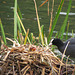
<point x="61" y="46"/>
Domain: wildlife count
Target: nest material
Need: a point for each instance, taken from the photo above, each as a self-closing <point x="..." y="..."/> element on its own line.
<point x="31" y="60"/>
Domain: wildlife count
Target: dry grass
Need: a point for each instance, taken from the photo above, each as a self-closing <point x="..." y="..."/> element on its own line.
<point x="31" y="60"/>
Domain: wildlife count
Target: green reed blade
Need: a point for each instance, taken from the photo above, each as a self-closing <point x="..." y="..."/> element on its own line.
<point x="56" y="34"/>
<point x="19" y="12"/>
<point x="55" y="20"/>
<point x="67" y="31"/>
<point x="72" y="34"/>
<point x="3" y="34"/>
<point x="25" y="41"/>
<point x="19" y="26"/>
<point x="31" y="37"/>
<point x="23" y="28"/>
<point x="42" y="32"/>
<point x="20" y="15"/>
<point x="65" y="21"/>
<point x="15" y="20"/>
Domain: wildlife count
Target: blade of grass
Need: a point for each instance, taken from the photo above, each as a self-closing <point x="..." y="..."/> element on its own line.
<point x="19" y="12"/>
<point x="20" y="15"/>
<point x="67" y="31"/>
<point x="65" y="21"/>
<point x="23" y="27"/>
<point x="19" y="26"/>
<point x="15" y="20"/>
<point x="3" y="34"/>
<point x="42" y="33"/>
<point x="72" y="34"/>
<point x="18" y="35"/>
<point x="31" y="37"/>
<point x="42" y="41"/>
<point x="56" y="34"/>
<point x="55" y="20"/>
<point x="25" y="41"/>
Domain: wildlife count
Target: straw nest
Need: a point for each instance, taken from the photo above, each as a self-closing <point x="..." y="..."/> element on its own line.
<point x="31" y="60"/>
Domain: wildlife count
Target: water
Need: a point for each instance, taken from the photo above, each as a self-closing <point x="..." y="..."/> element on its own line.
<point x="64" y="13"/>
<point x="29" y="16"/>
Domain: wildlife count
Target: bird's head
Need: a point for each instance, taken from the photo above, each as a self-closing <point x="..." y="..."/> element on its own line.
<point x="56" y="42"/>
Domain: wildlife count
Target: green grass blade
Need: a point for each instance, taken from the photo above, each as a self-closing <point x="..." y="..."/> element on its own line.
<point x="72" y="34"/>
<point x="55" y="20"/>
<point x="56" y="34"/>
<point x="15" y="20"/>
<point x="65" y="21"/>
<point x="42" y="32"/>
<point x="23" y="28"/>
<point x="67" y="31"/>
<point x="20" y="15"/>
<point x="19" y="12"/>
<point x="19" y="26"/>
<point x="31" y="37"/>
<point x="3" y="34"/>
<point x="25" y="41"/>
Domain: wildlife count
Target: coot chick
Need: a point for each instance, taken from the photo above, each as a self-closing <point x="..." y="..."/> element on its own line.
<point x="61" y="46"/>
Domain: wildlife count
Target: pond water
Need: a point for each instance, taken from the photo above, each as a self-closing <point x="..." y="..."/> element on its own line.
<point x="29" y="15"/>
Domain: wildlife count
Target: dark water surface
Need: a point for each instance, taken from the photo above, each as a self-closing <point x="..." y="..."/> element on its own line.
<point x="29" y="15"/>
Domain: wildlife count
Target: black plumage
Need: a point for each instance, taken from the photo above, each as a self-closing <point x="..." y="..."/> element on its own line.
<point x="61" y="46"/>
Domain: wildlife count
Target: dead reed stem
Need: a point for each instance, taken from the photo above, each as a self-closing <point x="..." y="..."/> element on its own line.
<point x="51" y="17"/>
<point x="42" y="41"/>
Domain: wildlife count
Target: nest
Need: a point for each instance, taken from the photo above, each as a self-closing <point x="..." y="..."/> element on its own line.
<point x="31" y="60"/>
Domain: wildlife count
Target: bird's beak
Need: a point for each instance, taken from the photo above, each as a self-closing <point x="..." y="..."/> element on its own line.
<point x="51" y="42"/>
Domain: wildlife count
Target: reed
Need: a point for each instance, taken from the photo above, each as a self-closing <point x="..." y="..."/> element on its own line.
<point x="42" y="41"/>
<point x="31" y="37"/>
<point x="20" y="15"/>
<point x="55" y="20"/>
<point x="23" y="27"/>
<point x="3" y="34"/>
<point x="25" y="41"/>
<point x="72" y="34"/>
<point x="51" y="17"/>
<point x="67" y="31"/>
<point x="15" y="20"/>
<point x="25" y="54"/>
<point x="65" y="21"/>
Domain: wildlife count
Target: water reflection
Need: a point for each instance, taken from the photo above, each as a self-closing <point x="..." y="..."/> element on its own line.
<point x="64" y="13"/>
<point x="69" y="34"/>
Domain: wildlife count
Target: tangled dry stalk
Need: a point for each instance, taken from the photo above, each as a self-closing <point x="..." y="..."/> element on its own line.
<point x="31" y="60"/>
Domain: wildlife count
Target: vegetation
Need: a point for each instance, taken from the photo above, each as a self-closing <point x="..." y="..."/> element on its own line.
<point x="24" y="47"/>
